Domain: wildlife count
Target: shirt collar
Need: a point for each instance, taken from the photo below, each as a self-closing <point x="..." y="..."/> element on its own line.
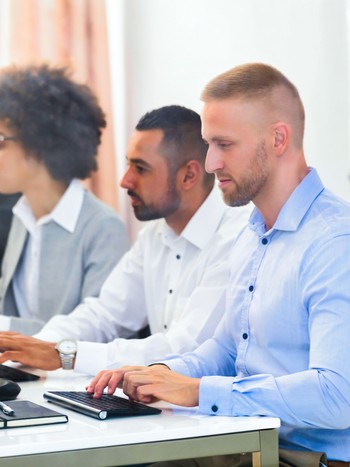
<point x="65" y="213"/>
<point x="204" y="222"/>
<point x="295" y="208"/>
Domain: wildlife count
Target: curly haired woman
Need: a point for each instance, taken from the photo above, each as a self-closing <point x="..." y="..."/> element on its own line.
<point x="63" y="241"/>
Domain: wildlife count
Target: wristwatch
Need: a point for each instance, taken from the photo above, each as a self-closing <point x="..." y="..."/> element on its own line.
<point x="67" y="350"/>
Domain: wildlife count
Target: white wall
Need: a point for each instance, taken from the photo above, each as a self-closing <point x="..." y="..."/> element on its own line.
<point x="165" y="51"/>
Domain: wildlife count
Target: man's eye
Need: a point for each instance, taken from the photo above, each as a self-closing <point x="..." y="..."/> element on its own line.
<point x="224" y="145"/>
<point x="140" y="169"/>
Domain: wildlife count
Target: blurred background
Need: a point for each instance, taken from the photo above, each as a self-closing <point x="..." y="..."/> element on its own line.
<point x="138" y="55"/>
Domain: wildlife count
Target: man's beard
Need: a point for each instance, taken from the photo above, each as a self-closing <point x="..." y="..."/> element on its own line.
<point x="250" y="184"/>
<point x="165" y="206"/>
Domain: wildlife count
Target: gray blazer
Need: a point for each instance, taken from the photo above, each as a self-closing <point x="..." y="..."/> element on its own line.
<point x="72" y="265"/>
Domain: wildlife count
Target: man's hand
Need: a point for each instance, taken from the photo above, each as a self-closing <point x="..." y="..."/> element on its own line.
<point x="110" y="379"/>
<point x="29" y="351"/>
<point x="148" y="384"/>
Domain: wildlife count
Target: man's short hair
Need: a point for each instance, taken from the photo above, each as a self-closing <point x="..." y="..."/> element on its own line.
<point x="57" y="121"/>
<point x="182" y="140"/>
<point x="258" y="81"/>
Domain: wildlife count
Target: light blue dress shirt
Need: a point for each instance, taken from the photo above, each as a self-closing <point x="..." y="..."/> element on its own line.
<point x="283" y="346"/>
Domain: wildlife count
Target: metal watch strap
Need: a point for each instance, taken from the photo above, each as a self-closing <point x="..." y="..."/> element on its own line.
<point x="67" y="361"/>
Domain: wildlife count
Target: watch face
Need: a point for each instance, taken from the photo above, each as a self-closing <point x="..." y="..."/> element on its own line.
<point x="67" y="347"/>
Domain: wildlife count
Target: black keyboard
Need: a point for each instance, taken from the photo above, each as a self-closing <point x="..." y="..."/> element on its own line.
<point x="106" y="406"/>
<point x="15" y="374"/>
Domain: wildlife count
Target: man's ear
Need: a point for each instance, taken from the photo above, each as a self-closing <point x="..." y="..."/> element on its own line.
<point x="281" y="135"/>
<point x="190" y="173"/>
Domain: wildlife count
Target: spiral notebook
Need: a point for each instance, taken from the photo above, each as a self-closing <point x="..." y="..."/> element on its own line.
<point x="27" y="413"/>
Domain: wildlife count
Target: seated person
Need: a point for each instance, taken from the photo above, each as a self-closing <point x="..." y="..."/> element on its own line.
<point x="173" y="278"/>
<point x="282" y="348"/>
<point x="63" y="241"/>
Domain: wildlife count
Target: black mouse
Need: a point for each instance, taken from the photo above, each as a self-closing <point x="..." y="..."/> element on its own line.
<point x="8" y="389"/>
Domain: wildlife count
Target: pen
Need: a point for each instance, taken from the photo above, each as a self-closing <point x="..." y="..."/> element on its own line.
<point x="6" y="409"/>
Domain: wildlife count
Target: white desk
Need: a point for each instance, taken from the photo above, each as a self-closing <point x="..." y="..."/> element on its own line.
<point x="174" y="434"/>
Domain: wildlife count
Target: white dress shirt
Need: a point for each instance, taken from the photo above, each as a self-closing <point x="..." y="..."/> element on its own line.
<point x="26" y="277"/>
<point x="176" y="284"/>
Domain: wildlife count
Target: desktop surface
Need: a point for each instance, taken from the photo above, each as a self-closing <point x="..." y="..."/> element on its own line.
<point x="83" y="432"/>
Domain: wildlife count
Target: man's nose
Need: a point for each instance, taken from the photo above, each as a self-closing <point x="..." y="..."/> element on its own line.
<point x="127" y="180"/>
<point x="213" y="161"/>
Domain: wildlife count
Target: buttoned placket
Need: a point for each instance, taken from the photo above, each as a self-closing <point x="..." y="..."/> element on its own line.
<point x="262" y="245"/>
<point x="173" y="272"/>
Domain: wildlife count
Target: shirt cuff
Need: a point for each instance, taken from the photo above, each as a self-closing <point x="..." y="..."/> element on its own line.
<point x="5" y="323"/>
<point x="48" y="336"/>
<point x="215" y="395"/>
<point x="91" y="357"/>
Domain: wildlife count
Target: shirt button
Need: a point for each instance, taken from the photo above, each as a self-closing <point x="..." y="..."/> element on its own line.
<point x="165" y="326"/>
<point x="170" y="290"/>
<point x="251" y="288"/>
<point x="214" y="408"/>
<point x="264" y="241"/>
<point x="245" y="336"/>
<point x="178" y="256"/>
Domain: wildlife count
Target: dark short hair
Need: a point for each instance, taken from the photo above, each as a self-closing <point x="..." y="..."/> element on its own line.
<point x="182" y="140"/>
<point x="57" y="121"/>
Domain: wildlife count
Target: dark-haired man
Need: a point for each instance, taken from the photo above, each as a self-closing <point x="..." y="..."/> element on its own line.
<point x="63" y="241"/>
<point x="172" y="279"/>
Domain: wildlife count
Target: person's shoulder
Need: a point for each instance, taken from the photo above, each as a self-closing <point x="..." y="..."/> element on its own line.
<point x="92" y="202"/>
<point x="333" y="213"/>
<point x="92" y="206"/>
<point x="235" y="219"/>
<point x="233" y="224"/>
<point x="96" y="217"/>
<point x="238" y="213"/>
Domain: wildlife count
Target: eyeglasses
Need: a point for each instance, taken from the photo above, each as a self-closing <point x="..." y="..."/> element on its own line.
<point x="4" y="138"/>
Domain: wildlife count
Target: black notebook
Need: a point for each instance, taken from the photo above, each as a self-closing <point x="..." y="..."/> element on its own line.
<point x="107" y="406"/>
<point x="28" y="413"/>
